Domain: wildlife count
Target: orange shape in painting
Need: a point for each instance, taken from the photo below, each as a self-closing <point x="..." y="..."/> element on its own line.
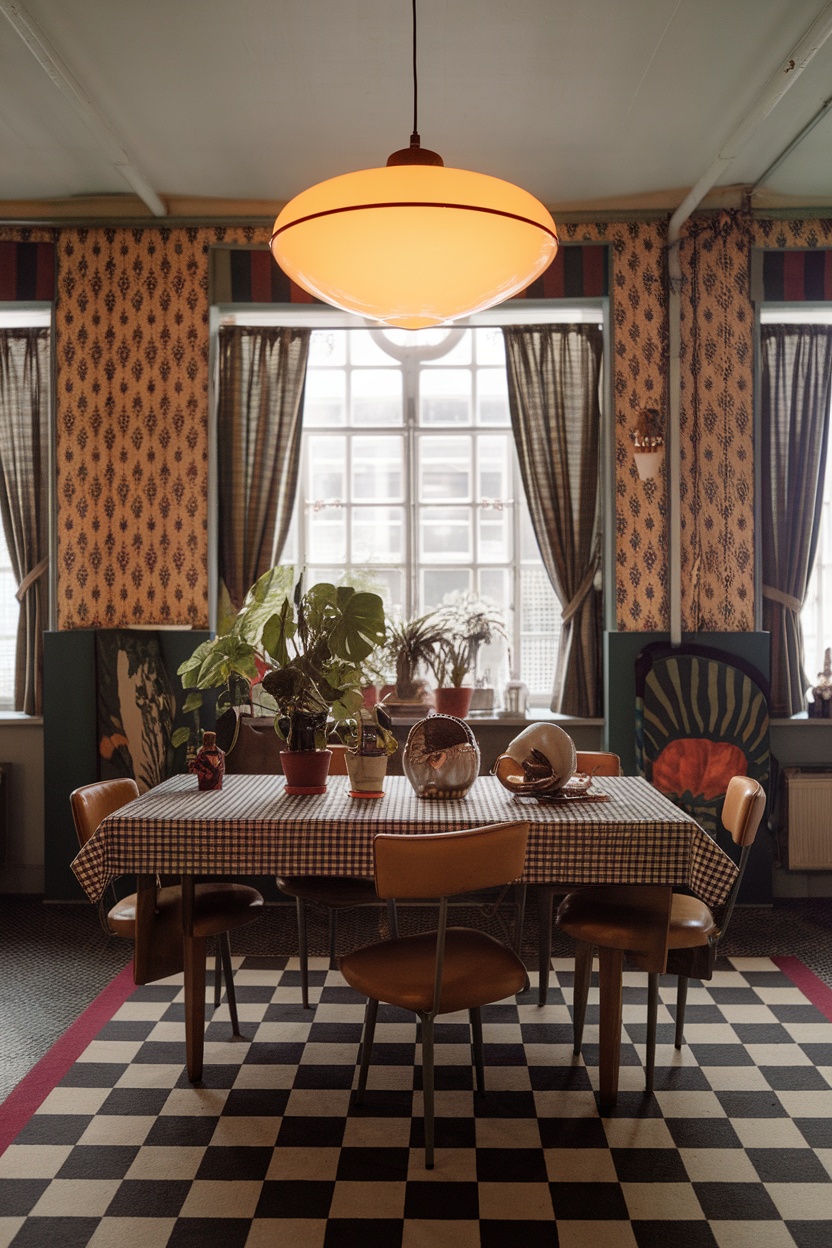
<point x="698" y="766"/>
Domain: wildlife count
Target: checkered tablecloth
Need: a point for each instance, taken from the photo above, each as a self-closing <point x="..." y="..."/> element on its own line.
<point x="252" y="827"/>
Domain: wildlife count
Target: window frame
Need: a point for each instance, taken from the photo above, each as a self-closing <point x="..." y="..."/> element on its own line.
<point x="40" y="314"/>
<point x="516" y="312"/>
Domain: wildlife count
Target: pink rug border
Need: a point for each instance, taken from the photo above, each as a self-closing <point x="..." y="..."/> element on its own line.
<point x="34" y="1087"/>
<point x="819" y="993"/>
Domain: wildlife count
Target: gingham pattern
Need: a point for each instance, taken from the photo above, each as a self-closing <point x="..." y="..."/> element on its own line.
<point x="732" y="1150"/>
<point x="251" y="827"/>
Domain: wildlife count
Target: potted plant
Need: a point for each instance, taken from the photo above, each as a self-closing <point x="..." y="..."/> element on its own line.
<point x="316" y="644"/>
<point x="369" y="739"/>
<point x="466" y="623"/>
<point x="410" y="647"/>
<point x="234" y="662"/>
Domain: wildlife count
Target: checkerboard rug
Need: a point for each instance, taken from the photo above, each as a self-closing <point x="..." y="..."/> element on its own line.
<point x="733" y="1149"/>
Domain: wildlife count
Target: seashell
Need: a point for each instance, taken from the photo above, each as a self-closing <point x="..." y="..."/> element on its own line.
<point x="540" y="761"/>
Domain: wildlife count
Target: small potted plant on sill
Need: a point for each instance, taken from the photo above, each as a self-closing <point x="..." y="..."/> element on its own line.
<point x="369" y="739"/>
<point x="410" y="648"/>
<point x="317" y="643"/>
<point x="467" y="623"/>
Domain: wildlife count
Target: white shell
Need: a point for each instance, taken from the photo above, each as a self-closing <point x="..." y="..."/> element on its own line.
<point x="551" y="741"/>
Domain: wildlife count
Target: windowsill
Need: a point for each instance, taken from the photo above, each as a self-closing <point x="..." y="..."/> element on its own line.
<point x="535" y="715"/>
<point x="801" y="721"/>
<point x="19" y="717"/>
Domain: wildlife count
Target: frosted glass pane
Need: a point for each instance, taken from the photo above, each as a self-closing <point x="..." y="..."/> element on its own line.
<point x="378" y="534"/>
<point x="445" y="396"/>
<point x="445" y="534"/>
<point x="494" y="455"/>
<point x="439" y="582"/>
<point x="492" y="397"/>
<point x="325" y="397"/>
<point x="377" y="469"/>
<point x="445" y="469"/>
<point x="494" y="536"/>
<point x="490" y="346"/>
<point x="327" y="347"/>
<point x="326" y="468"/>
<point x="326" y="536"/>
<point x="376" y="396"/>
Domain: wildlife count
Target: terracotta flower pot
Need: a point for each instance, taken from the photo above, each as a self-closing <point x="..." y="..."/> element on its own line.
<point x="455" y="701"/>
<point x="305" y="771"/>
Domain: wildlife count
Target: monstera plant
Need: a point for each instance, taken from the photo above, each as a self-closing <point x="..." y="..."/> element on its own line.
<point x="317" y="643"/>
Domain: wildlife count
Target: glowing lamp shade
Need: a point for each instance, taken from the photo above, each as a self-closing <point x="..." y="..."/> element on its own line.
<point x="414" y="245"/>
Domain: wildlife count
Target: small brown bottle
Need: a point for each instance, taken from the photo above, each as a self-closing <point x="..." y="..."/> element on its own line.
<point x="209" y="764"/>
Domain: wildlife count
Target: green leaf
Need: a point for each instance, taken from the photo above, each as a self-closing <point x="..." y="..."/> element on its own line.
<point x="193" y="702"/>
<point x="277" y="631"/>
<point x="190" y="669"/>
<point x="360" y="628"/>
<point x="181" y="736"/>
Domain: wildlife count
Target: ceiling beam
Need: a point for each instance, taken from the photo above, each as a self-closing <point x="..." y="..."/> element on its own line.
<point x="53" y="65"/>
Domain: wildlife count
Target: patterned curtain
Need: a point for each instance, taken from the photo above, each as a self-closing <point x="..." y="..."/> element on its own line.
<point x="554" y="374"/>
<point x="24" y="424"/>
<point x="261" y="375"/>
<point x="795" y="394"/>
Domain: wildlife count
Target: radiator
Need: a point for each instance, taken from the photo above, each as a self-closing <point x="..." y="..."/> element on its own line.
<point x="809" y="819"/>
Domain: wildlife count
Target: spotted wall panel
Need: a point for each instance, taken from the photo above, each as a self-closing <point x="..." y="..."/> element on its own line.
<point x="717" y="430"/>
<point x="132" y="425"/>
<point x="639" y="378"/>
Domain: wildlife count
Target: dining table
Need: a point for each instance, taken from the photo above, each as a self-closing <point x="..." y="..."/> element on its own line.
<point x="623" y="832"/>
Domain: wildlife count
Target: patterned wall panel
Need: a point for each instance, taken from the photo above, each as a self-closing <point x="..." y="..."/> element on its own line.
<point x="717" y="434"/>
<point x="639" y="371"/>
<point x="132" y="425"/>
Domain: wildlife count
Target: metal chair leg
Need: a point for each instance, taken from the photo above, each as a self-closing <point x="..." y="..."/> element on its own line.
<point x="427" y="1085"/>
<point x="217" y="975"/>
<point x="224" y="947"/>
<point x="303" y="955"/>
<point x="520" y="902"/>
<point x="545" y="902"/>
<point x="681" y="1002"/>
<point x="580" y="992"/>
<point x="370" y="1014"/>
<point x="333" y="921"/>
<point x="475" y="1016"/>
<point x="392" y="919"/>
<point x="652" y="1015"/>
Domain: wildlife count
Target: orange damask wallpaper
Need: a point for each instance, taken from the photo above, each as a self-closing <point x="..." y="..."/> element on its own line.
<point x="132" y="425"/>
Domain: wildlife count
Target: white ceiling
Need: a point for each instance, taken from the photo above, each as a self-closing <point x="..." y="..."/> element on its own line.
<point x="584" y="102"/>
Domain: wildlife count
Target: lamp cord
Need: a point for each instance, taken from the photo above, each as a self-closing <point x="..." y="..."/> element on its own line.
<point x="415" y="135"/>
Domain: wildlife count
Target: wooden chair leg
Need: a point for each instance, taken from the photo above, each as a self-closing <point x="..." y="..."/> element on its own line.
<point x="217" y="971"/>
<point x="224" y="946"/>
<point x="584" y="954"/>
<point x="370" y="1014"/>
<point x="427" y="1085"/>
<point x="652" y="1015"/>
<point x="392" y="919"/>
<point x="681" y="1002"/>
<point x="475" y="1017"/>
<point x="611" y="963"/>
<point x="545" y="902"/>
<point x="520" y="903"/>
<point x="303" y="954"/>
<point x="195" y="953"/>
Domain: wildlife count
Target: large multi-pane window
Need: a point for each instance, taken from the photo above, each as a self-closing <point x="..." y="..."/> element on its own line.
<point x="409" y="482"/>
<point x="816" y="616"/>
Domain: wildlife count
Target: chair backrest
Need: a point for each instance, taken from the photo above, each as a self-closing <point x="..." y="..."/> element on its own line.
<point x="598" y="763"/>
<point x="94" y="802"/>
<point x="742" y="812"/>
<point x="443" y="864"/>
<point x="338" y="762"/>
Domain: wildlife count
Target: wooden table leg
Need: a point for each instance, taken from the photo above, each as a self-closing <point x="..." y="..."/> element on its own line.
<point x="194" y="950"/>
<point x="611" y="963"/>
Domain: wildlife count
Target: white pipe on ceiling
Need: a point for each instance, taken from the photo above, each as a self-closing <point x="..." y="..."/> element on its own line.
<point x="786" y="74"/>
<point x="56" y="68"/>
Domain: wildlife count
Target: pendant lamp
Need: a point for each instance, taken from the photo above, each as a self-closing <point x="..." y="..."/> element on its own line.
<point x="414" y="244"/>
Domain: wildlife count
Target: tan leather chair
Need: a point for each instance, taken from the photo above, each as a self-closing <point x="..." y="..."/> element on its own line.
<point x="152" y="916"/>
<point x="333" y="893"/>
<point x="611" y="918"/>
<point x="594" y="763"/>
<point x="449" y="969"/>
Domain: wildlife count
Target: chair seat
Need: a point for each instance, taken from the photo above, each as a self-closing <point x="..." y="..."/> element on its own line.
<point x="611" y="917"/>
<point x="477" y="970"/>
<point x="337" y="892"/>
<point x="217" y="908"/>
